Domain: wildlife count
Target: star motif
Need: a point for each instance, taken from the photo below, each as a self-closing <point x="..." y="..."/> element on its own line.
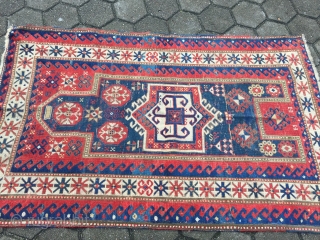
<point x="93" y="114"/>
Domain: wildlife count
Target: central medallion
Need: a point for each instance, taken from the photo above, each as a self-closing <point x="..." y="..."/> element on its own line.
<point x="174" y="119"/>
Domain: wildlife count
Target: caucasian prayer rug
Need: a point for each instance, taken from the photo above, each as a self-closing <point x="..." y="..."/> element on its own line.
<point x="168" y="132"/>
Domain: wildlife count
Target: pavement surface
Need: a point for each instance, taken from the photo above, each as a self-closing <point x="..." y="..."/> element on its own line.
<point x="217" y="17"/>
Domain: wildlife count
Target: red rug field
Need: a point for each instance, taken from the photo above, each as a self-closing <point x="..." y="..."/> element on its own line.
<point x="169" y="132"/>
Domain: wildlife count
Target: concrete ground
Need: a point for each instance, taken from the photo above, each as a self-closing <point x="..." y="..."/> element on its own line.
<point x="218" y="17"/>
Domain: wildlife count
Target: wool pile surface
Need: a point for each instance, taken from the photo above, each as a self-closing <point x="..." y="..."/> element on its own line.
<point x="169" y="132"/>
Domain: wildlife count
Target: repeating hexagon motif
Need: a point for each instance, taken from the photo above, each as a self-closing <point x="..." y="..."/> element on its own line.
<point x="279" y="10"/>
<point x="308" y="7"/>
<point x="7" y="7"/>
<point x="75" y="2"/>
<point x="184" y="23"/>
<point x="303" y="25"/>
<point x="152" y="24"/>
<point x="195" y="6"/>
<point x="272" y="29"/>
<point x="248" y="14"/>
<point x="24" y="17"/>
<point x="162" y="9"/>
<point x="213" y="15"/>
<point x="317" y="45"/>
<point x="40" y="4"/>
<point x="61" y="15"/>
<point x="130" y="11"/>
<point x="119" y="25"/>
<point x="96" y="13"/>
<point x="225" y="3"/>
<point x="3" y="26"/>
<point x="237" y="30"/>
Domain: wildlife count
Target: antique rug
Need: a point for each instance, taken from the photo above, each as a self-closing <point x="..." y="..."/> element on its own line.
<point x="167" y="132"/>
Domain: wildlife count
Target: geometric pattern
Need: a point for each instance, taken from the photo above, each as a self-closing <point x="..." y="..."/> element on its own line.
<point x="68" y="113"/>
<point x="93" y="128"/>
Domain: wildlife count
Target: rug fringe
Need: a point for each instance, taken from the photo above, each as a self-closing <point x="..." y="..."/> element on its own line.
<point x="3" y="57"/>
<point x="315" y="70"/>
